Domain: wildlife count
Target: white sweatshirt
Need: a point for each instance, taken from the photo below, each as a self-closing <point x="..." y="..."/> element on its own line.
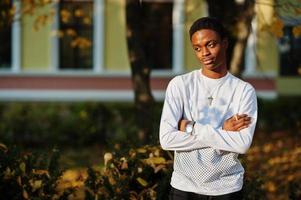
<point x="206" y="162"/>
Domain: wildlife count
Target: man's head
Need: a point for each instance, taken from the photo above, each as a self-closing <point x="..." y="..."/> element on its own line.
<point x="208" y="23"/>
<point x="209" y="41"/>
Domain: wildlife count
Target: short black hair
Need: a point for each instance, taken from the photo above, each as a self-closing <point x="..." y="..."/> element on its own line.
<point x="208" y="23"/>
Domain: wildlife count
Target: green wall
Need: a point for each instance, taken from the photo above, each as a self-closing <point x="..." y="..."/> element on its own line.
<point x="194" y="9"/>
<point x="35" y="46"/>
<point x="266" y="47"/>
<point x="288" y="86"/>
<point x="116" y="53"/>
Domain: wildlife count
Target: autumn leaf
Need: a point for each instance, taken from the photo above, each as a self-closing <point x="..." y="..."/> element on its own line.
<point x="25" y="194"/>
<point x="65" y="16"/>
<point x="22" y="166"/>
<point x="3" y="147"/>
<point x="19" y="180"/>
<point x="7" y="173"/>
<point x="37" y="184"/>
<point x="297" y="31"/>
<point x="87" y="20"/>
<point x="155" y="160"/>
<point x="71" y="32"/>
<point x="107" y="157"/>
<point x="79" y="13"/>
<point x="159" y="168"/>
<point x="142" y="181"/>
<point x="277" y="27"/>
<point x="141" y="150"/>
<point x="41" y="172"/>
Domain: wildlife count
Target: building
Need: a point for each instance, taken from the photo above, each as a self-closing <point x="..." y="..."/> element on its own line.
<point x="37" y="63"/>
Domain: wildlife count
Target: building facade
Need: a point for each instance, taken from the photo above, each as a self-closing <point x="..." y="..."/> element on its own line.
<point x="82" y="54"/>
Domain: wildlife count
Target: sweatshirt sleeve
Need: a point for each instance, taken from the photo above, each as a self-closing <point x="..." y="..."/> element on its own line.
<point x="170" y="137"/>
<point x="232" y="141"/>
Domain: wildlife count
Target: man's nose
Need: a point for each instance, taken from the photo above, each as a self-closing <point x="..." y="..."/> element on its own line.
<point x="205" y="51"/>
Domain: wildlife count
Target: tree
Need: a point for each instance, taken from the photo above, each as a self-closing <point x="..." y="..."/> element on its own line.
<point x="140" y="32"/>
<point x="140" y="69"/>
<point x="237" y="17"/>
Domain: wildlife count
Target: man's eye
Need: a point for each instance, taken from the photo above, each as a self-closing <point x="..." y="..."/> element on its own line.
<point x="211" y="44"/>
<point x="197" y="48"/>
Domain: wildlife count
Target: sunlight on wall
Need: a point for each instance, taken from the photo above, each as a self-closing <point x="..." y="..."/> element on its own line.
<point x="116" y="54"/>
<point x="194" y="10"/>
<point x="35" y="47"/>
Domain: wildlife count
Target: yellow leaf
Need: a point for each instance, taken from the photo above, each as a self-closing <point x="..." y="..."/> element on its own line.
<point x="79" y="13"/>
<point x="22" y="167"/>
<point x="71" y="32"/>
<point x="124" y="165"/>
<point x="297" y="31"/>
<point x="65" y="16"/>
<point x="41" y="172"/>
<point x="7" y="173"/>
<point x="3" y="147"/>
<point x="270" y="186"/>
<point x="87" y="20"/>
<point x="141" y="150"/>
<point x="158" y="168"/>
<point x="155" y="160"/>
<point x="112" y="181"/>
<point x="142" y="181"/>
<point x="267" y="148"/>
<point x="108" y="157"/>
<point x="19" y="180"/>
<point x="277" y="27"/>
<point x="36" y="185"/>
<point x="157" y="152"/>
<point x="25" y="194"/>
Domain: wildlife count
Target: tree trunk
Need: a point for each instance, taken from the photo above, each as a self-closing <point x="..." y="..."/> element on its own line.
<point x="140" y="70"/>
<point x="237" y="18"/>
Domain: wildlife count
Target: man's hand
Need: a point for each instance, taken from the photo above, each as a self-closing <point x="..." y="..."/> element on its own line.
<point x="182" y="124"/>
<point x="237" y="122"/>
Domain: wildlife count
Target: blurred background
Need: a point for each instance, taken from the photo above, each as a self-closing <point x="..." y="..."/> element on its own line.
<point x="82" y="84"/>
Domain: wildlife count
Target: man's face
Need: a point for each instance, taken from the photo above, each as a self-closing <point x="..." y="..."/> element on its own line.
<point x="210" y="49"/>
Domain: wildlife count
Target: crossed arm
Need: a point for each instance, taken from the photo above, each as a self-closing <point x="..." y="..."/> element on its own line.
<point x="235" y="123"/>
<point x="235" y="134"/>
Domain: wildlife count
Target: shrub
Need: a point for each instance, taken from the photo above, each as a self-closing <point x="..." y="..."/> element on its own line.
<point x="286" y="111"/>
<point x="40" y="124"/>
<point x="29" y="176"/>
<point x="143" y="173"/>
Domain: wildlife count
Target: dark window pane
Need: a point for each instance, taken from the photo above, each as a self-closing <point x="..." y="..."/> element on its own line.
<point x="76" y="23"/>
<point x="5" y="34"/>
<point x="158" y="34"/>
<point x="290" y="53"/>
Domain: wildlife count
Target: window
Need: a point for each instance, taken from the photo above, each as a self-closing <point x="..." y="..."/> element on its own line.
<point x="76" y="24"/>
<point x="290" y="53"/>
<point x="158" y="33"/>
<point x="5" y="34"/>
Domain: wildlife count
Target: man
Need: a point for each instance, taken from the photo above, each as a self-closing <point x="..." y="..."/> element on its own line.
<point x="208" y="119"/>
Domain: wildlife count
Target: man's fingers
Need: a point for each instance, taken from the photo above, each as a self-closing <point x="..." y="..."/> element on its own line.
<point x="243" y="127"/>
<point x="242" y="122"/>
<point x="237" y="117"/>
